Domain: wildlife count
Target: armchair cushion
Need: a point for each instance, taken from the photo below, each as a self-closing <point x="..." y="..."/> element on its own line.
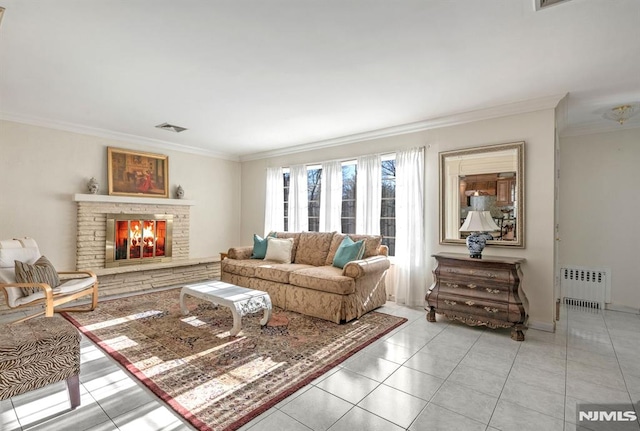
<point x="65" y="288"/>
<point x="8" y="256"/>
<point x="42" y="271"/>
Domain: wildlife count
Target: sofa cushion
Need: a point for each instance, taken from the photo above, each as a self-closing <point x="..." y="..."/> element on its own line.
<point x="348" y="251"/>
<point x="246" y="268"/>
<point x="278" y="272"/>
<point x="333" y="248"/>
<point x="371" y="244"/>
<point x="324" y="278"/>
<point x="313" y="248"/>
<point x="279" y="250"/>
<point x="260" y="245"/>
<point x="296" y="240"/>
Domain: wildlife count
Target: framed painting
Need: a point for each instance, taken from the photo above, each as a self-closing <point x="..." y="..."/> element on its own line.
<point x="133" y="173"/>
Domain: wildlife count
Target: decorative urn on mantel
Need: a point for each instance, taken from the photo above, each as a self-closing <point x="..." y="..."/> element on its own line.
<point x="179" y="192"/>
<point x="93" y="186"/>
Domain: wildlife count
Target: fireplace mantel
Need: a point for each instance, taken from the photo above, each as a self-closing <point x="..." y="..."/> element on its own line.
<point x="81" y="197"/>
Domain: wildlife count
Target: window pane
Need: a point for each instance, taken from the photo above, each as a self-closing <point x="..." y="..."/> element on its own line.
<point x="348" y="225"/>
<point x="388" y="188"/>
<point x="388" y="227"/>
<point x="314" y="183"/>
<point x="388" y="205"/>
<point x="349" y="182"/>
<point x="391" y="243"/>
<point x="314" y="209"/>
<point x="314" y="224"/>
<point x="348" y="209"/>
<point x="388" y="208"/>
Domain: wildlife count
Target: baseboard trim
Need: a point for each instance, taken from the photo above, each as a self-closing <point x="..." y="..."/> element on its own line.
<point x="622" y="308"/>
<point x="542" y="326"/>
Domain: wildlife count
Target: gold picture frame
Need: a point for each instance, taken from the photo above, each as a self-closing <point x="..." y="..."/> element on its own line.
<point x="135" y="173"/>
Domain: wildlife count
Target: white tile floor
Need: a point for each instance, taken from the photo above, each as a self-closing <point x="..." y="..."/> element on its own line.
<point x="422" y="376"/>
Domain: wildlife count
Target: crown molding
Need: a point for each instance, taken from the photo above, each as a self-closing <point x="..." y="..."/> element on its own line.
<point x="515" y="108"/>
<point x="117" y="136"/>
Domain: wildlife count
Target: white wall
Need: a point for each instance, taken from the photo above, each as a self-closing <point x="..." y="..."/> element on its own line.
<point x="599" y="202"/>
<point x="41" y="169"/>
<point x="536" y="129"/>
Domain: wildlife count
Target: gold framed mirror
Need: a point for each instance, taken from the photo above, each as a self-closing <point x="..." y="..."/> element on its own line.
<point x="488" y="179"/>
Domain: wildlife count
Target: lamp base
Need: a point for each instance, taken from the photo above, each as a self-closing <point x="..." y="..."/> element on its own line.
<point x="476" y="243"/>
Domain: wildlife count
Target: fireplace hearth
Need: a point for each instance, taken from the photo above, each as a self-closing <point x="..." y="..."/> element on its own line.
<point x="134" y="239"/>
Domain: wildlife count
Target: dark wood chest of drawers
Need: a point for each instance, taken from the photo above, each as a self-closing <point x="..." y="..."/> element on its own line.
<point x="483" y="291"/>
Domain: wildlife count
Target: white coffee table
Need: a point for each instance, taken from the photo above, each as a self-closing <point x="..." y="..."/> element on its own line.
<point x="239" y="300"/>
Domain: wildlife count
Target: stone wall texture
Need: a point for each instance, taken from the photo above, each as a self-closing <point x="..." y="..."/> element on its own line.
<point x="92" y="229"/>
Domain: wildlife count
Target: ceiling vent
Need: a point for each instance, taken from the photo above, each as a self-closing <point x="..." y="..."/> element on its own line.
<point x="171" y="127"/>
<point x="541" y="4"/>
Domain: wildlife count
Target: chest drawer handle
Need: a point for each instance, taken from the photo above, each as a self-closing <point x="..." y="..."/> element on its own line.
<point x="470" y="303"/>
<point x="493" y="290"/>
<point x="452" y="285"/>
<point x="446" y="301"/>
<point x="491" y="310"/>
<point x="472" y="286"/>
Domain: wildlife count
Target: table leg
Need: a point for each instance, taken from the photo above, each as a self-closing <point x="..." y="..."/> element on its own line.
<point x="183" y="307"/>
<point x="267" y="311"/>
<point x="237" y="322"/>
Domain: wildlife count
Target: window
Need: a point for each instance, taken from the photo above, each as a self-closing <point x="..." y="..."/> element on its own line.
<point x="388" y="204"/>
<point x="348" y="216"/>
<point x="314" y="183"/>
<point x="286" y="179"/>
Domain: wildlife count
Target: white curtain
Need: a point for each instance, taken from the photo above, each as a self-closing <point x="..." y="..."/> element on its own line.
<point x="409" y="271"/>
<point x="368" y="194"/>
<point x="331" y="197"/>
<point x="298" y="199"/>
<point x="274" y="201"/>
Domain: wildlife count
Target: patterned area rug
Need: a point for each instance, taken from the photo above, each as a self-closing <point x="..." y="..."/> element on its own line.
<point x="214" y="380"/>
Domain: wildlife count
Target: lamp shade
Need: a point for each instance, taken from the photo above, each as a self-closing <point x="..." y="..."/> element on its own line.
<point x="479" y="221"/>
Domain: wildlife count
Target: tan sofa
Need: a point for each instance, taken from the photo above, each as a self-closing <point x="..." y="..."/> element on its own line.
<point x="311" y="285"/>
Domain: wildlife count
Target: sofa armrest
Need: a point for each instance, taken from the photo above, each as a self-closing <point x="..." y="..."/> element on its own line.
<point x="359" y="268"/>
<point x="383" y="250"/>
<point x="240" y="253"/>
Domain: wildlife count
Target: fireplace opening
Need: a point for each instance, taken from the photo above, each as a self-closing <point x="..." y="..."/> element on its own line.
<point x="138" y="238"/>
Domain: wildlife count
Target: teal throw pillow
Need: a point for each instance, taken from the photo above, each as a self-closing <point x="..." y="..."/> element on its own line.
<point x="348" y="251"/>
<point x="260" y="245"/>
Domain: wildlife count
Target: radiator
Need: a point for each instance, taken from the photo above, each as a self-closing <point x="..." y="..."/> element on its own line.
<point x="585" y="287"/>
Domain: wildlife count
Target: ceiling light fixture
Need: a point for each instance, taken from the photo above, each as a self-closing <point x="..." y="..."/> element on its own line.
<point x="622" y="113"/>
<point x="171" y="127"/>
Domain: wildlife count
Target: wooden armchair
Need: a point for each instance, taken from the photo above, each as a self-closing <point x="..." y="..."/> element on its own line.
<point x="74" y="284"/>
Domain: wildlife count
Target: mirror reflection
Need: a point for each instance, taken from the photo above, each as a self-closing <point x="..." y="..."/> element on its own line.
<point x="486" y="179"/>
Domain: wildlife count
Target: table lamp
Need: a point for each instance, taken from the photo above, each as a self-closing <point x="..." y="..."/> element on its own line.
<point x="478" y="223"/>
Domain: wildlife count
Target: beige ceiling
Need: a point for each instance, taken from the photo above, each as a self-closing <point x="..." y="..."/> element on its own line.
<point x="252" y="76"/>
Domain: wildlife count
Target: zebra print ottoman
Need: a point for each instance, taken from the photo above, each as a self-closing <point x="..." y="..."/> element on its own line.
<point x="39" y="352"/>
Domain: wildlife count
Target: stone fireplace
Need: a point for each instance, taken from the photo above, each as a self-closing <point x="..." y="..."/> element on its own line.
<point x="137" y="244"/>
